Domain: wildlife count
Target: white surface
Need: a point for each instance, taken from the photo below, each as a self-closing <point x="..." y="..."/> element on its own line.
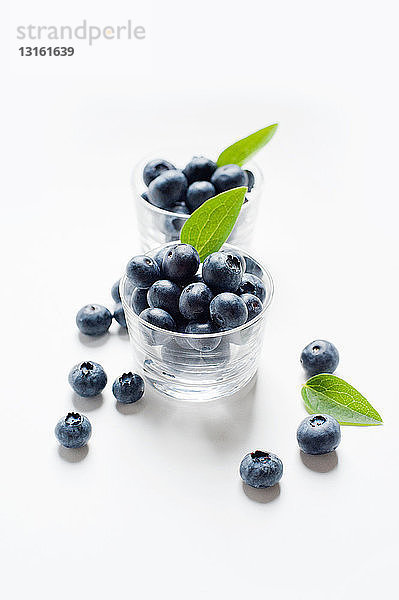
<point x="156" y="507"/>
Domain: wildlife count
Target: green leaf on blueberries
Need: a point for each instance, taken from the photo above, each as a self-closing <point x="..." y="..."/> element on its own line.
<point x="210" y="225"/>
<point x="331" y="395"/>
<point x="243" y="150"/>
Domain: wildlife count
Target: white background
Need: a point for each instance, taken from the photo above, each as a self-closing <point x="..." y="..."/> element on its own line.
<point x="156" y="508"/>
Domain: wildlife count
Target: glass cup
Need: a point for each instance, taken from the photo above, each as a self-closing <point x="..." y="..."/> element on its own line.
<point x="158" y="226"/>
<point x="194" y="367"/>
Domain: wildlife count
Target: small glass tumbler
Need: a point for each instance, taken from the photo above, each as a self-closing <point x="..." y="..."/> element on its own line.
<point x="194" y="367"/>
<point x="157" y="226"/>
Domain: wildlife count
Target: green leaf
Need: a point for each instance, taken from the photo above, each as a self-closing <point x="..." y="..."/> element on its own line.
<point x="331" y="395"/>
<point x="210" y="225"/>
<point x="244" y="149"/>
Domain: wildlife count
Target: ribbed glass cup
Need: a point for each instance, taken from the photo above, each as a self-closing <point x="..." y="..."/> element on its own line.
<point x="198" y="367"/>
<point x="157" y="226"/>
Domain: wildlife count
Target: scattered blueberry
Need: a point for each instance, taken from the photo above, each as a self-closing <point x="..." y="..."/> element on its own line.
<point x="198" y="192"/>
<point x="73" y="431"/>
<point x="251" y="284"/>
<point x="168" y="189"/>
<point x="115" y="292"/>
<point x="164" y="294"/>
<point x="87" y="379"/>
<point x="229" y="177"/>
<point x="251" y="179"/>
<point x="180" y="263"/>
<point x="119" y="315"/>
<point x="319" y="357"/>
<point x="142" y="270"/>
<point x="253" y="304"/>
<point x="159" y="318"/>
<point x="93" y="319"/>
<point x="194" y="301"/>
<point x="199" y="169"/>
<point x="205" y="344"/>
<point x="228" y="311"/>
<point x="222" y="271"/>
<point x="128" y="388"/>
<point x="139" y="300"/>
<point x="318" y="434"/>
<point x="154" y="168"/>
<point x="261" y="469"/>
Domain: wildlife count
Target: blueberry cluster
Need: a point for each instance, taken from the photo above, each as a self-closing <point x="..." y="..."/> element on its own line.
<point x="184" y="190"/>
<point x="172" y="291"/>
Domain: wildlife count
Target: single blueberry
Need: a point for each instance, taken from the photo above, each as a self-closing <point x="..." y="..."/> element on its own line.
<point x="73" y="431"/>
<point x="251" y="284"/>
<point x="119" y="315"/>
<point x="159" y="318"/>
<point x="139" y="300"/>
<point x="228" y="311"/>
<point x="142" y="271"/>
<point x="87" y="379"/>
<point x="197" y="193"/>
<point x="222" y="271"/>
<point x="261" y="469"/>
<point x="194" y="301"/>
<point x="94" y="319"/>
<point x="203" y="343"/>
<point x="318" y="434"/>
<point x="229" y="177"/>
<point x="180" y="263"/>
<point x="252" y="267"/>
<point x="128" y="388"/>
<point x="253" y="304"/>
<point x="168" y="189"/>
<point x="319" y="357"/>
<point x="251" y="179"/>
<point x="154" y="168"/>
<point x="199" y="169"/>
<point x="115" y="292"/>
<point x="165" y="294"/>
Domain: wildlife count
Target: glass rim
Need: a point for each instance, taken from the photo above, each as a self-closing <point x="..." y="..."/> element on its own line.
<point x="147" y="205"/>
<point x="259" y="317"/>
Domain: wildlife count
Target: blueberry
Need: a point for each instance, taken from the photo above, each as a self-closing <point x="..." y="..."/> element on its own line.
<point x="251" y="284"/>
<point x="159" y="318"/>
<point x="115" y="292"/>
<point x="180" y="263"/>
<point x="168" y="189"/>
<point x="142" y="271"/>
<point x="199" y="169"/>
<point x="253" y="304"/>
<point x="154" y="168"/>
<point x="139" y="300"/>
<point x="228" y="311"/>
<point x="318" y="434"/>
<point x="229" y="177"/>
<point x="261" y="469"/>
<point x="222" y="272"/>
<point x="119" y="315"/>
<point x="128" y="388"/>
<point x="194" y="301"/>
<point x="164" y="294"/>
<point x="252" y="267"/>
<point x="207" y="344"/>
<point x="87" y="379"/>
<point x="93" y="319"/>
<point x="319" y="357"/>
<point x="251" y="179"/>
<point x="73" y="431"/>
<point x="198" y="192"/>
<point x="159" y="256"/>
